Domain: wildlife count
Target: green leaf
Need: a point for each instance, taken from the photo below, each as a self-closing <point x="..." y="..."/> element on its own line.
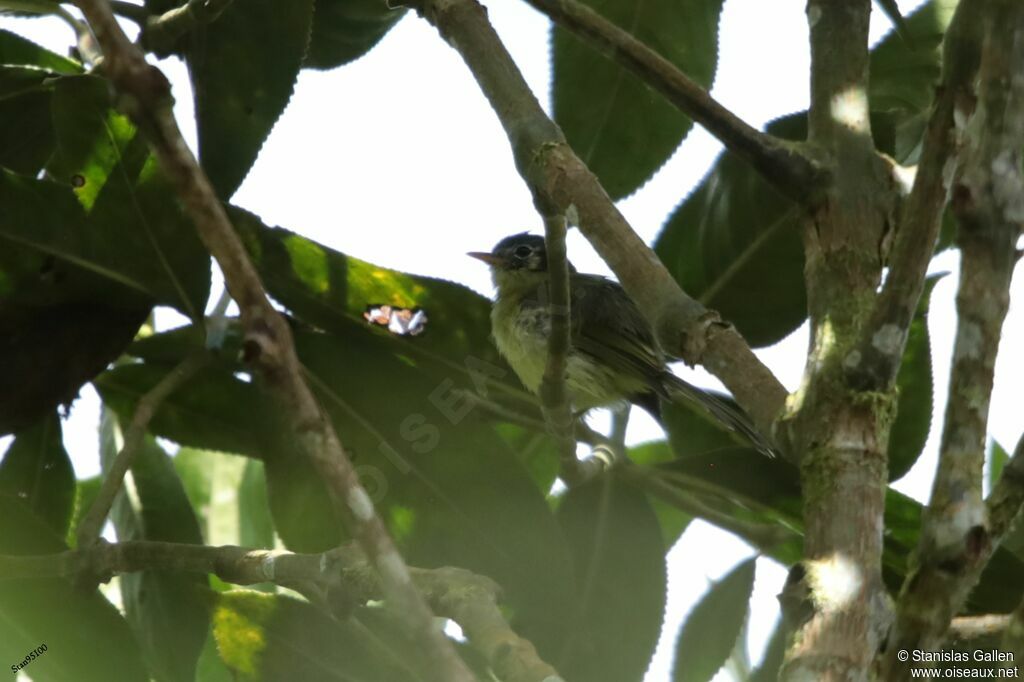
<point x="86" y="491"/>
<point x="50" y="256"/>
<point x="243" y="68"/>
<point x="774" y="655"/>
<point x="735" y="234"/>
<point x="48" y="352"/>
<point x="997" y="459"/>
<point x="167" y="610"/>
<point x="904" y="74"/>
<point x="345" y="30"/>
<point x="92" y="138"/>
<point x="673" y="521"/>
<point x="14" y="49"/>
<point x="451" y="490"/>
<point x="623" y="130"/>
<point x="26" y="131"/>
<point x="256" y="527"/>
<point x="332" y="291"/>
<point x="914" y="382"/>
<point x="211" y="667"/>
<point x="443" y="477"/>
<point x="619" y="599"/>
<point x="712" y="628"/>
<point x="214" y="410"/>
<point x="51" y="611"/>
<point x="138" y="227"/>
<point x="37" y="470"/>
<point x="127" y="236"/>
<point x="265" y="637"/>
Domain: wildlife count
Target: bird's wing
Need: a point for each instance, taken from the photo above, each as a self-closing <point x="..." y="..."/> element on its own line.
<point x="607" y="325"/>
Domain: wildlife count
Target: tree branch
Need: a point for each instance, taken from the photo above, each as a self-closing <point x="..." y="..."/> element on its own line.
<point x="840" y="435"/>
<point x="92" y="523"/>
<point x="988" y="200"/>
<point x="561" y="182"/>
<point x="268" y="343"/>
<point x="874" y="362"/>
<point x="553" y="393"/>
<point x="470" y="600"/>
<point x="839" y="110"/>
<point x="160" y="33"/>
<point x="783" y="164"/>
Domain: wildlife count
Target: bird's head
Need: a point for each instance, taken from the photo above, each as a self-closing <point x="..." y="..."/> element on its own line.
<point x="519" y="260"/>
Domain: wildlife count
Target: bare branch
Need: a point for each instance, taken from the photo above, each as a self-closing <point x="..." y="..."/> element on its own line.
<point x="988" y="200"/>
<point x="469" y="599"/>
<point x="783" y="164"/>
<point x="268" y="343"/>
<point x="876" y="359"/>
<point x="561" y="183"/>
<point x="92" y="523"/>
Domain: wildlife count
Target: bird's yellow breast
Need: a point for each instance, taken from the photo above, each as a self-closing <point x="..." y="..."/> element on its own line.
<point x="521" y="337"/>
<point x="521" y="334"/>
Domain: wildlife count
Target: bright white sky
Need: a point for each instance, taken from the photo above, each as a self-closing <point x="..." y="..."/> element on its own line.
<point x="399" y="160"/>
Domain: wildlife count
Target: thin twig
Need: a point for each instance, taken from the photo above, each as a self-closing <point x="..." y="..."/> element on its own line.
<point x="469" y="599"/>
<point x="148" y="405"/>
<point x="781" y="163"/>
<point x="560" y="182"/>
<point x="988" y="200"/>
<point x="765" y="537"/>
<point x="583" y="433"/>
<point x="268" y="344"/>
<point x="553" y="392"/>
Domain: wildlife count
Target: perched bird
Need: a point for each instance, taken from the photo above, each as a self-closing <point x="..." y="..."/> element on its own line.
<point x="614" y="356"/>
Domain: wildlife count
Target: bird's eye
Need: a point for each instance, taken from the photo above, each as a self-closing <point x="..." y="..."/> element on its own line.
<point x="523" y="251"/>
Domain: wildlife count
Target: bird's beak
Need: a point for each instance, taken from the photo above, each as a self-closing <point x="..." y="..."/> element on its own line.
<point x="488" y="258"/>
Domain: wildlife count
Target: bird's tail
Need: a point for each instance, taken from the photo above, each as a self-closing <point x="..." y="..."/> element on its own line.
<point x="726" y="413"/>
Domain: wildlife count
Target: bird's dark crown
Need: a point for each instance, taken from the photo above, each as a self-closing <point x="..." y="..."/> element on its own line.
<point x="523" y="251"/>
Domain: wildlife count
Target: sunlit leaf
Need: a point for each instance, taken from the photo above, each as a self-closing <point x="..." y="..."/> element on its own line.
<point x="264" y="637"/>
<point x="51" y="611"/>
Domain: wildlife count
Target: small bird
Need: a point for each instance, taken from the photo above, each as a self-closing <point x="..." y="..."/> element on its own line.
<point x="613" y="357"/>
